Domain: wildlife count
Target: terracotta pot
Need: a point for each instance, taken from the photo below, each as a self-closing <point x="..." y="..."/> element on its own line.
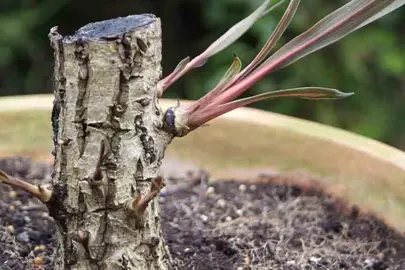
<point x="245" y="143"/>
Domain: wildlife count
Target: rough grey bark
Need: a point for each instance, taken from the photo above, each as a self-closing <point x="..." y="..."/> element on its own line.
<point x="109" y="143"/>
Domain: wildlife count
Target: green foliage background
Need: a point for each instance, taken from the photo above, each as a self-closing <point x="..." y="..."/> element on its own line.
<point x="369" y="62"/>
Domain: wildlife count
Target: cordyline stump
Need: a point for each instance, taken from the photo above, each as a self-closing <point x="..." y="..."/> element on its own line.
<point x="109" y="144"/>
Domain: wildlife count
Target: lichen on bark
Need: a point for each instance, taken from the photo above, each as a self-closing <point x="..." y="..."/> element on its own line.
<point x="107" y="114"/>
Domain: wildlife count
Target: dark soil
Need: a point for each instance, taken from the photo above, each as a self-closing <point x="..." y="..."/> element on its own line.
<point x="223" y="225"/>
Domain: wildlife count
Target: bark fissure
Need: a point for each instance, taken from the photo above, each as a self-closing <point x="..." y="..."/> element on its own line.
<point x="82" y="57"/>
<point x="55" y="124"/>
<point x="59" y="86"/>
<point x="104" y="231"/>
<point x="110" y="114"/>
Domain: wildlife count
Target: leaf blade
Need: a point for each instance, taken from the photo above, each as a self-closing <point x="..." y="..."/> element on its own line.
<point x="225" y="81"/>
<point x="221" y="43"/>
<point x="232" y="71"/>
<point x="301" y="92"/>
<point x="235" y="31"/>
<point x="274" y="37"/>
<point x="333" y="27"/>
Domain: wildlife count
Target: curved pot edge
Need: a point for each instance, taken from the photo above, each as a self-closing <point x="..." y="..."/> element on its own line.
<point x="355" y="141"/>
<point x="368" y="147"/>
<point x="361" y="143"/>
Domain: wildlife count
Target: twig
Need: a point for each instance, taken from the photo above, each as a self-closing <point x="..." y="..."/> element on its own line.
<point x="42" y="192"/>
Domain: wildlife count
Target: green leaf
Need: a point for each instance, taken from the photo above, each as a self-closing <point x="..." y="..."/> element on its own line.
<point x="273" y="8"/>
<point x="301" y="92"/>
<point x="232" y="71"/>
<point x="335" y="26"/>
<point x="226" y="80"/>
<point x="394" y="5"/>
<point x="182" y="64"/>
<point x="221" y="43"/>
<point x="214" y="111"/>
<point x="235" y="32"/>
<point x="274" y="37"/>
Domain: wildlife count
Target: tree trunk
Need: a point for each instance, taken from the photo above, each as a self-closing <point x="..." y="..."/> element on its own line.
<point x="109" y="143"/>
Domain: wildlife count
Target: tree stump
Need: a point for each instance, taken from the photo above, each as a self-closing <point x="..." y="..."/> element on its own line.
<point x="109" y="143"/>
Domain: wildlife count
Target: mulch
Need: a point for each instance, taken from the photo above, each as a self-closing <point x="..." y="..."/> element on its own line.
<point x="220" y="225"/>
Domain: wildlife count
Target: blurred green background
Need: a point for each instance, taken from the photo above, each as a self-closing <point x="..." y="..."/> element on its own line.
<point x="369" y="62"/>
